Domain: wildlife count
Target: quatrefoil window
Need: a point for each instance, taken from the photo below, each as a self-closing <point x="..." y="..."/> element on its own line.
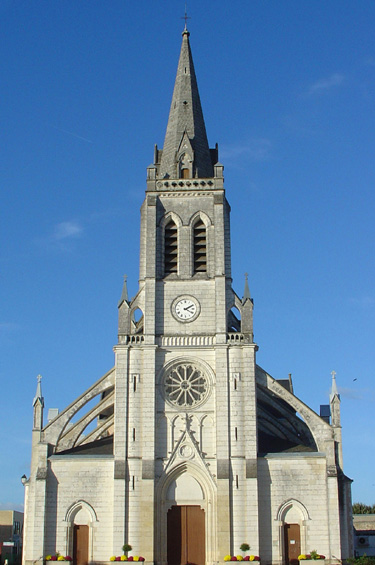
<point x="186" y="385"/>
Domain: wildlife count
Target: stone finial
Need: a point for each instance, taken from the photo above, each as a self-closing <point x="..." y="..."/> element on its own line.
<point x="38" y="406"/>
<point x="246" y="294"/>
<point x="334" y="391"/>
<point x="38" y="395"/>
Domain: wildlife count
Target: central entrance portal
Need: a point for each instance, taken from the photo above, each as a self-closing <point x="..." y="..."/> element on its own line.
<point x="186" y="537"/>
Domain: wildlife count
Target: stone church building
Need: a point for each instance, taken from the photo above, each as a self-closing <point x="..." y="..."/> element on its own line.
<point x="191" y="448"/>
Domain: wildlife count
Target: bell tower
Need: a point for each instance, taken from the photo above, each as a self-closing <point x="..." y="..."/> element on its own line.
<point x="185" y="359"/>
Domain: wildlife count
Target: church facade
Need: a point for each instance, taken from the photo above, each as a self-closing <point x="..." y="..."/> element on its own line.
<point x="195" y="448"/>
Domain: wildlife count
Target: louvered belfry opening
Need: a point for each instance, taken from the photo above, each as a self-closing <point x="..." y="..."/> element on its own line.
<point x="200" y="248"/>
<point x="170" y="248"/>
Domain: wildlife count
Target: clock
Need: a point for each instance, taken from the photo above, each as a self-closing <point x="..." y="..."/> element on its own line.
<point x="185" y="308"/>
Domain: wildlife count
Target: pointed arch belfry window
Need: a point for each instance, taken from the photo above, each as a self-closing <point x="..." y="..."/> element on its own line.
<point x="200" y="247"/>
<point x="170" y="248"/>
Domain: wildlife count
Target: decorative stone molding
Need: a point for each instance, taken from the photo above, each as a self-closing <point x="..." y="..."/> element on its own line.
<point x="237" y="338"/>
<point x="182" y="341"/>
<point x="180" y="183"/>
<point x="41" y="474"/>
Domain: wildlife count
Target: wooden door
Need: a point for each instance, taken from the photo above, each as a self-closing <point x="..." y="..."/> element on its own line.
<point x="292" y="543"/>
<point x="81" y="545"/>
<point x="186" y="539"/>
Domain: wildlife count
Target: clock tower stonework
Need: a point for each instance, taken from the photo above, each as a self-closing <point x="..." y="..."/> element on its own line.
<point x="190" y="350"/>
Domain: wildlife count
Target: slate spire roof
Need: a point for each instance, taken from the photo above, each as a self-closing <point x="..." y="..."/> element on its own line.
<point x="186" y="126"/>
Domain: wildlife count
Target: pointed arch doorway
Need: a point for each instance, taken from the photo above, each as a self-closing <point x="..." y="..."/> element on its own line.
<point x="186" y="535"/>
<point x="186" y="506"/>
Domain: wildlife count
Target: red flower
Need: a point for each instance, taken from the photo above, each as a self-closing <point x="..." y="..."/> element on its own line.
<point x="118" y="558"/>
<point x="322" y="556"/>
<point x="247" y="558"/>
<point x="234" y="558"/>
<point x="141" y="559"/>
<point x="256" y="558"/>
<point x="54" y="558"/>
<point x="130" y="558"/>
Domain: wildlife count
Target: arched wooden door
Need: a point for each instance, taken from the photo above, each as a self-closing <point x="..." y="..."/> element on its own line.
<point x="80" y="545"/>
<point x="292" y="543"/>
<point x="186" y="536"/>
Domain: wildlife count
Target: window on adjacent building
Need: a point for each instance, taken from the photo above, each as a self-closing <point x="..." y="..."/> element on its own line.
<point x="170" y="248"/>
<point x="200" y="247"/>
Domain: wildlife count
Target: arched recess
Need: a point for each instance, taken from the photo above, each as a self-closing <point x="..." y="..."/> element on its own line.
<point x="192" y="481"/>
<point x="207" y="436"/>
<point x="137" y="321"/>
<point x="292" y="513"/>
<point x="234" y="320"/>
<point x="199" y="224"/>
<point x="294" y="506"/>
<point x="170" y="228"/>
<point x="80" y="515"/>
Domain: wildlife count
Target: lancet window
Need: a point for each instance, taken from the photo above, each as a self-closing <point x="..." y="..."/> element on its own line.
<point x="170" y="248"/>
<point x="200" y="247"/>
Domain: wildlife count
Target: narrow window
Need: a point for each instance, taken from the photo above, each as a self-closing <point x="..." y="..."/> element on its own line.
<point x="170" y="248"/>
<point x="200" y="248"/>
<point x="185" y="173"/>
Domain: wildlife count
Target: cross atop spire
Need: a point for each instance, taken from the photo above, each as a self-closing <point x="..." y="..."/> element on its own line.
<point x="186" y="17"/>
<point x="185" y="144"/>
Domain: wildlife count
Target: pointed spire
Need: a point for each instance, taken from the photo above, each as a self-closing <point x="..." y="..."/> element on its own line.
<point x="38" y="395"/>
<point x="124" y="293"/>
<point x="38" y="406"/>
<point x="334" y="390"/>
<point x="186" y="117"/>
<point x="246" y="293"/>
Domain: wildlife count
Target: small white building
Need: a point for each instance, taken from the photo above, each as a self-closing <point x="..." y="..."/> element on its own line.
<point x="364" y="534"/>
<point x="197" y="449"/>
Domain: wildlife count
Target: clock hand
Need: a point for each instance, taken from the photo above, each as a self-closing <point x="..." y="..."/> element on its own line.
<point x="188" y="307"/>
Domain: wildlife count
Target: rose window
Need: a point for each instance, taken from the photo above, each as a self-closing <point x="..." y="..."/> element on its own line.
<point x="185" y="385"/>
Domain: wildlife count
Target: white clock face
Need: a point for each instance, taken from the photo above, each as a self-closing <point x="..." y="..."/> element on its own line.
<point x="185" y="309"/>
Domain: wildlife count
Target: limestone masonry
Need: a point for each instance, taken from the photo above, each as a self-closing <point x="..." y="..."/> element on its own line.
<point x="196" y="449"/>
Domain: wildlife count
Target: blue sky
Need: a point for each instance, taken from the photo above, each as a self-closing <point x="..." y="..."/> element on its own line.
<point x="288" y="91"/>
